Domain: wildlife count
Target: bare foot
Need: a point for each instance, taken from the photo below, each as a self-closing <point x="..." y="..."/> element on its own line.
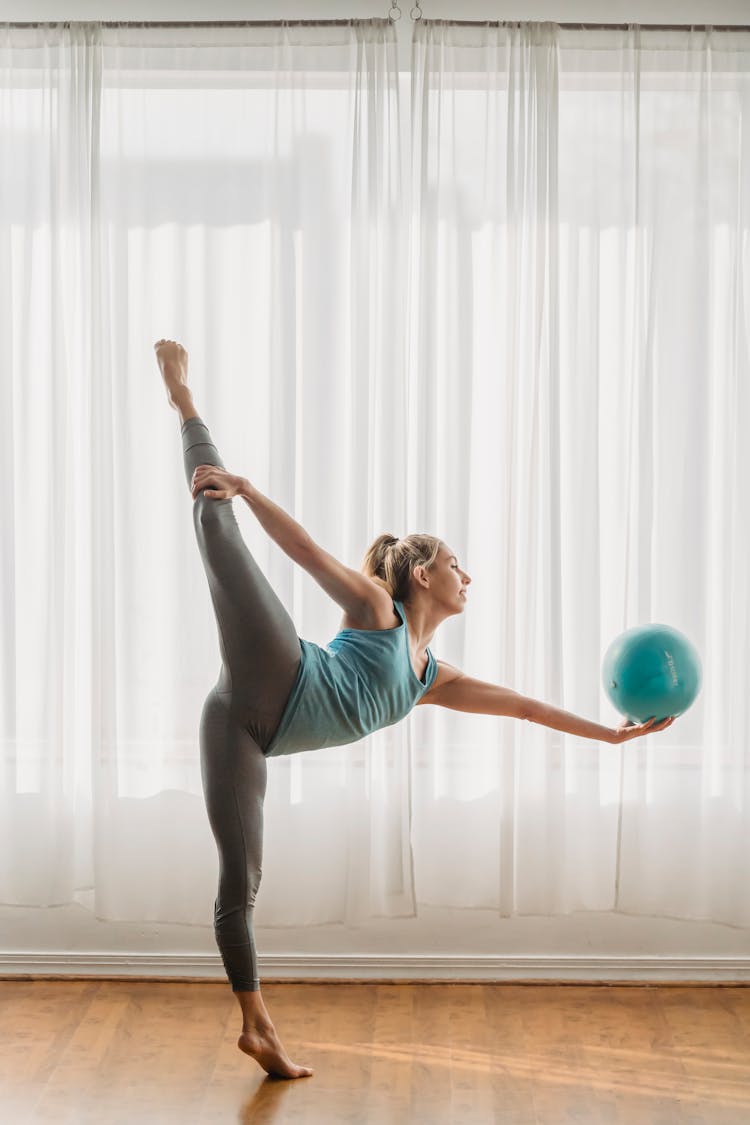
<point x="264" y="1045"/>
<point x="173" y="363"/>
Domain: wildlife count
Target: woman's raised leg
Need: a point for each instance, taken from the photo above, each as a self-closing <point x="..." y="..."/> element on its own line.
<point x="258" y="641"/>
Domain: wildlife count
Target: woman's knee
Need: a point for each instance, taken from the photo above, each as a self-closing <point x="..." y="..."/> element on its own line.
<point x="235" y="896"/>
<point x="213" y="521"/>
<point x="206" y="509"/>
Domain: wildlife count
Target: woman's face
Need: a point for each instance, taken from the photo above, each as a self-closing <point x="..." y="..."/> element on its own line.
<point x="448" y="581"/>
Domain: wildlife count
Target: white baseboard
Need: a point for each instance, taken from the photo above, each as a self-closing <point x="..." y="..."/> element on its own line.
<point x="385" y="966"/>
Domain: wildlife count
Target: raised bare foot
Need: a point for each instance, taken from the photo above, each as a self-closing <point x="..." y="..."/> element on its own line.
<point x="264" y="1045"/>
<point x="173" y="363"/>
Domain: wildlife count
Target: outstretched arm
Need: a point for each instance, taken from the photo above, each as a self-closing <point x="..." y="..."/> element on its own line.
<point x="459" y="692"/>
<point x="349" y="588"/>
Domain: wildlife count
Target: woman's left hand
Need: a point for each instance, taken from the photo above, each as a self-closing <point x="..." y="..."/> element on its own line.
<point x="628" y="730"/>
<point x="225" y="485"/>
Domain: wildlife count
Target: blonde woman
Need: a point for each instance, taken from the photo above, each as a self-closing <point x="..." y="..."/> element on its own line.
<point x="279" y="694"/>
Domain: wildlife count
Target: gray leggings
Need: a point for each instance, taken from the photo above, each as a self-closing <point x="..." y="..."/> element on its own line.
<point x="260" y="654"/>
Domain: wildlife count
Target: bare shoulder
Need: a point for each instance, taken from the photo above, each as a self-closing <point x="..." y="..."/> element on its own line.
<point x="375" y="612"/>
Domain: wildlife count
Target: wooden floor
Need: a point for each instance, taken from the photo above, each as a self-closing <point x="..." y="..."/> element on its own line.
<point x="138" y="1052"/>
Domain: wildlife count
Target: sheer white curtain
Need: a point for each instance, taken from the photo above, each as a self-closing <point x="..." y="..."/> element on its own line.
<point x="526" y="332"/>
<point x="579" y="329"/>
<point x="240" y="190"/>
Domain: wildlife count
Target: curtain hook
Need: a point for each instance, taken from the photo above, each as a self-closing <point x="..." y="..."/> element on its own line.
<point x="416" y="9"/>
<point x="394" y="8"/>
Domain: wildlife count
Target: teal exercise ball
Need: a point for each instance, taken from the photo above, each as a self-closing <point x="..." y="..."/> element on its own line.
<point x="651" y="671"/>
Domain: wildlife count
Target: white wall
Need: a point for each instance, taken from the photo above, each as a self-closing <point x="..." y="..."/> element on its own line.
<point x="438" y="943"/>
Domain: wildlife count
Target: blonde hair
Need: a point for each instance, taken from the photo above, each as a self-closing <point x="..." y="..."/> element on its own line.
<point x="391" y="561"/>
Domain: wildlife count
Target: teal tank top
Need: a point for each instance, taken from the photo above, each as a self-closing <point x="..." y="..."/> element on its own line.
<point x="360" y="681"/>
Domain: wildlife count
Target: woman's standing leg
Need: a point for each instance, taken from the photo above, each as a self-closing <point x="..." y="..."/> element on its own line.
<point x="260" y="651"/>
<point x="233" y="768"/>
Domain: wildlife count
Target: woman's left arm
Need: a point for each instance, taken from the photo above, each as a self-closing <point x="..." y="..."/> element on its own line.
<point x="459" y="692"/>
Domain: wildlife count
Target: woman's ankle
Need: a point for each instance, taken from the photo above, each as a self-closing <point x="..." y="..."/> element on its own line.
<point x="182" y="401"/>
<point x="255" y="1017"/>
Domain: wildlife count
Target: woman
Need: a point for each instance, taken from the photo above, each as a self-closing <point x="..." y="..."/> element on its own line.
<point x="278" y="694"/>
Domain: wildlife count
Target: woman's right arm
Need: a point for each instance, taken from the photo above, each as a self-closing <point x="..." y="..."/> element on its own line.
<point x="219" y="484"/>
<point x="357" y="594"/>
<point x="290" y="535"/>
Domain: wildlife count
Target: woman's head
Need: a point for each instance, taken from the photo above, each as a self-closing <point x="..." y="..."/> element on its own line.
<point x="393" y="562"/>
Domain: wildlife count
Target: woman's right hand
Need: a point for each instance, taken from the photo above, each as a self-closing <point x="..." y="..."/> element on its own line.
<point x="217" y="483"/>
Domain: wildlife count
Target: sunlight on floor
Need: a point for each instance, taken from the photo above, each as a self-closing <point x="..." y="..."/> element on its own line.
<point x="649" y="1073"/>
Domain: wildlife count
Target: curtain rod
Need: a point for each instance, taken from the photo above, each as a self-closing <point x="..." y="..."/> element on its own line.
<point x="459" y="23"/>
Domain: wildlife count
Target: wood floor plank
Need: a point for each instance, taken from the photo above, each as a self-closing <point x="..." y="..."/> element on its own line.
<point x="118" y="1053"/>
<point x="472" y="1056"/>
<point x="712" y="1040"/>
<point x="391" y="1074"/>
<point x="82" y="1058"/>
<point x="430" y="1052"/>
<point x="515" y="1067"/>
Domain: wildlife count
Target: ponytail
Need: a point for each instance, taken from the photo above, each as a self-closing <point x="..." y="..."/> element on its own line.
<point x="391" y="561"/>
